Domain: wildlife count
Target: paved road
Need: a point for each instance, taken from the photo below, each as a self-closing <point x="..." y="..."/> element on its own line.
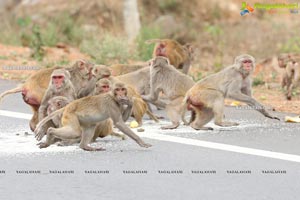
<point x="180" y="165"/>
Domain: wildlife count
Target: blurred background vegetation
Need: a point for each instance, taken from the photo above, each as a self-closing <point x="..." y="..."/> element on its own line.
<point x="96" y="28"/>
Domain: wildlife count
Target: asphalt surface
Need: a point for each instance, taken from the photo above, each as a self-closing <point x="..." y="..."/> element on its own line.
<point x="168" y="170"/>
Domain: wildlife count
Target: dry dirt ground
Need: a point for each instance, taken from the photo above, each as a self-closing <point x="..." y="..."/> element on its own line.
<point x="16" y="63"/>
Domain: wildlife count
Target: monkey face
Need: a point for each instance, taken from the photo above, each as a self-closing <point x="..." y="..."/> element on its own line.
<point x="281" y="63"/>
<point x="58" y="81"/>
<point x="105" y="88"/>
<point x="247" y="65"/>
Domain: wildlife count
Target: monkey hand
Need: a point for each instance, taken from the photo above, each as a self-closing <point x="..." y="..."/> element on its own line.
<point x="39" y="134"/>
<point x="145" y="145"/>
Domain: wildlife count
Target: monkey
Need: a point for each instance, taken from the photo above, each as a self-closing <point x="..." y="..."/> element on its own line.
<point x="206" y="98"/>
<point x="174" y="84"/>
<point x="102" y="86"/>
<point x="180" y="56"/>
<point x="105" y="127"/>
<point x="291" y="74"/>
<point x="120" y="69"/>
<point x="54" y="104"/>
<point x="59" y="85"/>
<point x="34" y="87"/>
<point x="140" y="107"/>
<point x="80" y="117"/>
<point x="81" y="77"/>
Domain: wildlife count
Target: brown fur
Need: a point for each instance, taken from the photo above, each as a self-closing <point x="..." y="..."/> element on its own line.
<point x="180" y="56"/>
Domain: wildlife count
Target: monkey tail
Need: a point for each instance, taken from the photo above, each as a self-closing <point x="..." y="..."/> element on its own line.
<point x="46" y="119"/>
<point x="153" y="41"/>
<point x="151" y="115"/>
<point x="12" y="91"/>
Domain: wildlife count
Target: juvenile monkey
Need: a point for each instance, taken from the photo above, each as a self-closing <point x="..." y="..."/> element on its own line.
<point x="81" y="116"/>
<point x="102" y="86"/>
<point x="174" y="84"/>
<point x="54" y="104"/>
<point x="206" y="98"/>
<point x="35" y="86"/>
<point x="180" y="56"/>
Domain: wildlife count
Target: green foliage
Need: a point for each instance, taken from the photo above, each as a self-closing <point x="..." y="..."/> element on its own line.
<point x="258" y="80"/>
<point x="146" y="33"/>
<point x="291" y="45"/>
<point x="214" y="30"/>
<point x="37" y="43"/>
<point x="107" y="49"/>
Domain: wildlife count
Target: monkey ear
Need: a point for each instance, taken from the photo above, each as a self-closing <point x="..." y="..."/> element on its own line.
<point x="81" y="63"/>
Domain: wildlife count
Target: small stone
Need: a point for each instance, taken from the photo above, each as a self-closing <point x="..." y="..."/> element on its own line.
<point x="140" y="130"/>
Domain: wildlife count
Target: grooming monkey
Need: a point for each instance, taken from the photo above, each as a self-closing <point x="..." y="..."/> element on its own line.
<point x="140" y="107"/>
<point x="81" y="116"/>
<point x="174" y="84"/>
<point x="105" y="127"/>
<point x="35" y="86"/>
<point x="206" y="98"/>
<point x="180" y="56"/>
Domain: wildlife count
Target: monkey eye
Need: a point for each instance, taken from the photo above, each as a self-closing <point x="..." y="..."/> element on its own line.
<point x="106" y="86"/>
<point x="120" y="89"/>
<point x="247" y="61"/>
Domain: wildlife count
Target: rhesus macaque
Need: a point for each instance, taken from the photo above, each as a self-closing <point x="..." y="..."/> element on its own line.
<point x="206" y="98"/>
<point x="59" y="85"/>
<point x="54" y="104"/>
<point x="119" y="69"/>
<point x="35" y="86"/>
<point x="140" y="107"/>
<point x="102" y="86"/>
<point x="105" y="127"/>
<point x="291" y="76"/>
<point x="81" y="116"/>
<point x="180" y="56"/>
<point x="139" y="79"/>
<point x="174" y="84"/>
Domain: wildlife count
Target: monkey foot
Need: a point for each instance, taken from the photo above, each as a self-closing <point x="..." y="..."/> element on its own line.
<point x="224" y="124"/>
<point x="203" y="128"/>
<point x="173" y="126"/>
<point x="43" y="145"/>
<point x="88" y="148"/>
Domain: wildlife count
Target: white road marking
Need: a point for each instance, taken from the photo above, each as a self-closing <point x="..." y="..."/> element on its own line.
<point x="194" y="142"/>
<point x="224" y="147"/>
<point x="7" y="113"/>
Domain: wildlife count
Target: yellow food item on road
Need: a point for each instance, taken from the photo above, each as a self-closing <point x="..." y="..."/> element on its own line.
<point x="134" y="124"/>
<point x="235" y="103"/>
<point x="292" y="119"/>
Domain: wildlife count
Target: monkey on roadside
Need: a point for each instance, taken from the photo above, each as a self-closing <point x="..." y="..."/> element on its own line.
<point x="81" y="116"/>
<point x="59" y="85"/>
<point x="291" y="76"/>
<point x="105" y="127"/>
<point x="180" y="56"/>
<point x="140" y="107"/>
<point x="174" y="84"/>
<point x="206" y="98"/>
<point x="54" y="104"/>
<point x="34" y="87"/>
